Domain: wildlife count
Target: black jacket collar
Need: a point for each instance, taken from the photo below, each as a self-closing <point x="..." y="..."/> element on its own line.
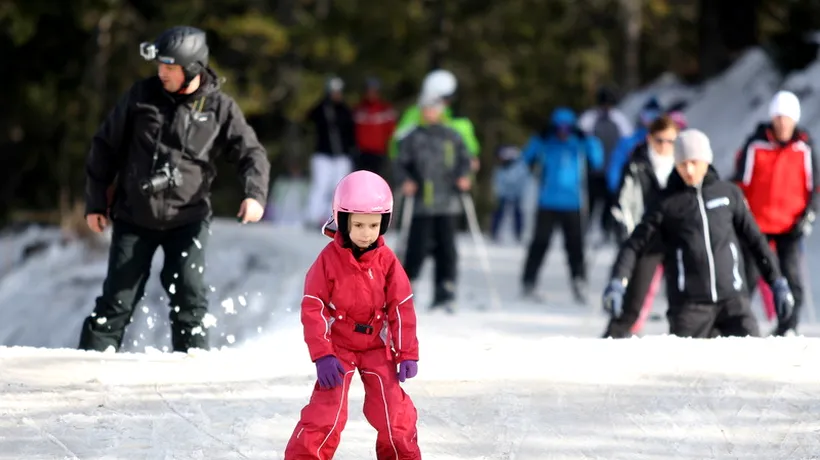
<point x="676" y="183"/>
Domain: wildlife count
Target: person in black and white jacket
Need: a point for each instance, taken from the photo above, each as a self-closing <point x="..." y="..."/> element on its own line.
<point x="642" y="183"/>
<point x="702" y="222"/>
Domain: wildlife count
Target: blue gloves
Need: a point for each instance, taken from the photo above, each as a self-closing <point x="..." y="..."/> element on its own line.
<point x="407" y="370"/>
<point x="783" y="299"/>
<point x="614" y="298"/>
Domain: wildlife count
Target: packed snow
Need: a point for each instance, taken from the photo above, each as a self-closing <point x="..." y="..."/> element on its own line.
<point x="497" y="394"/>
<point x="526" y="381"/>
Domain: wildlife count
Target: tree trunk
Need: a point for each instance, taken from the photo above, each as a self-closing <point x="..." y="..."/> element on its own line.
<point x="632" y="22"/>
<point x="291" y="69"/>
<point x="738" y="24"/>
<point x="438" y="42"/>
<point x="712" y="53"/>
<point x="322" y="8"/>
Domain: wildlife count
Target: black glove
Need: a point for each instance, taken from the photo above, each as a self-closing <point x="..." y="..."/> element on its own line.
<point x="804" y="226"/>
<point x="783" y="299"/>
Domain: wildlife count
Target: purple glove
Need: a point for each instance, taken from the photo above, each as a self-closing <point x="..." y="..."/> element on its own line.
<point x="407" y="370"/>
<point x="329" y="372"/>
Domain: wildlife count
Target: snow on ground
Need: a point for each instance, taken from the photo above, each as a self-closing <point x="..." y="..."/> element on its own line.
<point x="524" y="382"/>
<point x="653" y="398"/>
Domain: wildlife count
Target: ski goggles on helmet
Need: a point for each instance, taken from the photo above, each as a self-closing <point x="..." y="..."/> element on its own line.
<point x="150" y="52"/>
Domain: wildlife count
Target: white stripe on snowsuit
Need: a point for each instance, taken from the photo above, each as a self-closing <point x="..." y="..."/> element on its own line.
<point x="398" y="316"/>
<point x="325" y="318"/>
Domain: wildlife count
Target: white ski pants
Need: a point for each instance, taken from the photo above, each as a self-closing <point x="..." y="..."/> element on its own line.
<point x="325" y="172"/>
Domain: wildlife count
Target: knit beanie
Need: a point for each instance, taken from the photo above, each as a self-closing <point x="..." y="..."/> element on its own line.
<point x="693" y="144"/>
<point x="786" y="104"/>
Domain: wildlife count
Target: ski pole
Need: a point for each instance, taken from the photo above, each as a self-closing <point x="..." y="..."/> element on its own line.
<point x="483" y="255"/>
<point x="406" y="221"/>
<point x="804" y="272"/>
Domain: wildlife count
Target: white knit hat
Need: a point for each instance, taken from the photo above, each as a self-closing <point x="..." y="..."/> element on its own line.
<point x="693" y="144"/>
<point x="786" y="104"/>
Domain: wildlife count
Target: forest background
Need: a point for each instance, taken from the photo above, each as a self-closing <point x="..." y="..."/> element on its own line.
<point x="67" y="62"/>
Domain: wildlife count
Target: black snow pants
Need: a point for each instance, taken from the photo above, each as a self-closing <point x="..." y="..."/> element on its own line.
<point x="788" y="255"/>
<point x="639" y="284"/>
<point x="546" y="221"/>
<point x="373" y="162"/>
<point x="438" y="231"/>
<point x="727" y="318"/>
<point x="601" y="198"/>
<point x="129" y="266"/>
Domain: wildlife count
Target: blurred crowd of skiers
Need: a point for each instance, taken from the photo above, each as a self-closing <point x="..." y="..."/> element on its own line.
<point x="593" y="169"/>
<point x="715" y="241"/>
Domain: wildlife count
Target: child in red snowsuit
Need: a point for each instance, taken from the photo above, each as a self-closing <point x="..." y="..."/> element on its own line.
<point x="357" y="313"/>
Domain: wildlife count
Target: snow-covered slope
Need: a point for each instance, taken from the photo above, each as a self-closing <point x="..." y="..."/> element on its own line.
<point x="729" y="106"/>
<point x="519" y="383"/>
<point x="252" y="271"/>
<point x="505" y="395"/>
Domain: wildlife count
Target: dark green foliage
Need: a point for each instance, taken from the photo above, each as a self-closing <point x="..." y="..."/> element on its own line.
<point x="67" y="62"/>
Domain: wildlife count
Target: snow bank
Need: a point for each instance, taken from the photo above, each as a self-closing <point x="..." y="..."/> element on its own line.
<point x="254" y="273"/>
<point x="729" y="106"/>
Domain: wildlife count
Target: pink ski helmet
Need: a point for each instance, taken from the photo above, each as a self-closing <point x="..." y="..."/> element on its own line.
<point x="362" y="192"/>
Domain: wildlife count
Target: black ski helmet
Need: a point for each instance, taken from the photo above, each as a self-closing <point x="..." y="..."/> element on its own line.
<point x="183" y="45"/>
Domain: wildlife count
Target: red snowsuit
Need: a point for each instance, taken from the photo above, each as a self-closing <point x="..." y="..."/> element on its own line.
<point x="371" y="295"/>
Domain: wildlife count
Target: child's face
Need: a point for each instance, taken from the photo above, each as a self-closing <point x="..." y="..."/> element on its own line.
<point x="432" y="114"/>
<point x="364" y="229"/>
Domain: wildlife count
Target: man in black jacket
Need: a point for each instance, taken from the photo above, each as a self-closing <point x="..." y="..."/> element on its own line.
<point x="702" y="222"/>
<point x="334" y="152"/>
<point x="150" y="170"/>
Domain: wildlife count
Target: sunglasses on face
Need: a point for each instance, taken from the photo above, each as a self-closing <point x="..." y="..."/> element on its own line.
<point x="661" y="140"/>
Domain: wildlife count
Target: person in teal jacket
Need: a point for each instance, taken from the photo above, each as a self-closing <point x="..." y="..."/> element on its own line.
<point x="565" y="155"/>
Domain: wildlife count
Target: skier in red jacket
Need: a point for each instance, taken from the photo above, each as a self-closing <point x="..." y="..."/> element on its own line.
<point x="375" y="122"/>
<point x="779" y="172"/>
<point x="357" y="313"/>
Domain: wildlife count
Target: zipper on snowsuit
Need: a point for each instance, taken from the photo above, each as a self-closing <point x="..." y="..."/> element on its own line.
<point x="708" y="240"/>
<point x="738" y="280"/>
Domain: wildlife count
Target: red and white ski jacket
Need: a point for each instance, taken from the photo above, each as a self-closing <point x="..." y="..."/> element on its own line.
<point x="780" y="181"/>
<point x="359" y="305"/>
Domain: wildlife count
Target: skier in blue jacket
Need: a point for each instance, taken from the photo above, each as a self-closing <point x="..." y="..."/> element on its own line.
<point x="564" y="156"/>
